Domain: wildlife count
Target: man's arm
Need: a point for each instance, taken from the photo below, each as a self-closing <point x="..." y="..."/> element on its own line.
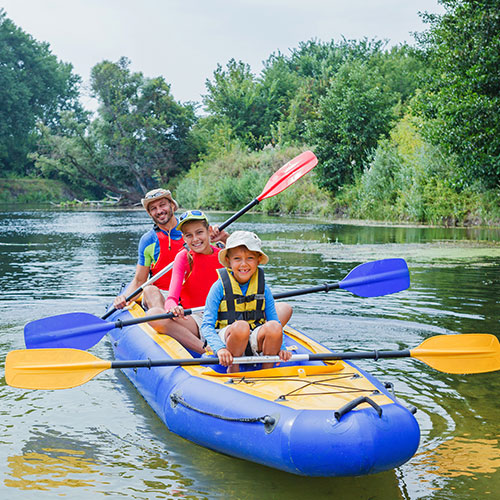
<point x="216" y="235"/>
<point x="141" y="276"/>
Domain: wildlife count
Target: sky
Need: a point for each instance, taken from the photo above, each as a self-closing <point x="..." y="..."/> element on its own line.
<point x="184" y="40"/>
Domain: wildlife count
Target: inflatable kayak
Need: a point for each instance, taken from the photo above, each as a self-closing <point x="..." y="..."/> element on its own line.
<point x="310" y="418"/>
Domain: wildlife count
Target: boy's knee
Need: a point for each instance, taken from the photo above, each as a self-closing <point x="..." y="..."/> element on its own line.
<point x="285" y="308"/>
<point x="241" y="329"/>
<point x="273" y="328"/>
<point x="274" y="325"/>
<point x="284" y="311"/>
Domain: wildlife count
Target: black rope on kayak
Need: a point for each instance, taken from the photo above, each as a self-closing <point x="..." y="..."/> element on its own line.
<point x="268" y="421"/>
<point x="322" y="383"/>
<point x="326" y="382"/>
<point x="294" y="393"/>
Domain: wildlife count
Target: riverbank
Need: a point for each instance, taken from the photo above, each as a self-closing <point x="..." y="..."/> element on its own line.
<point x="29" y="190"/>
<point x="304" y="200"/>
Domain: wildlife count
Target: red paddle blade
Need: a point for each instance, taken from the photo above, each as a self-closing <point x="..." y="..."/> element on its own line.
<point x="288" y="174"/>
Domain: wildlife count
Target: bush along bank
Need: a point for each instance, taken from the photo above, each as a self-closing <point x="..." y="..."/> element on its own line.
<point x="28" y="190"/>
<point x="407" y="180"/>
<point x="231" y="180"/>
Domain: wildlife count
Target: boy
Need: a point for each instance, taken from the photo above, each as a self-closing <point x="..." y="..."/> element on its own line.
<point x="241" y="306"/>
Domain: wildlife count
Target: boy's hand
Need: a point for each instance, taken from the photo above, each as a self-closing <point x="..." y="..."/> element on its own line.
<point x="225" y="357"/>
<point x="285" y="355"/>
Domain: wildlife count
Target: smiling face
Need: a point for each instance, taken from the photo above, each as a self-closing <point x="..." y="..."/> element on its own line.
<point x="243" y="262"/>
<point x="162" y="211"/>
<point x="197" y="236"/>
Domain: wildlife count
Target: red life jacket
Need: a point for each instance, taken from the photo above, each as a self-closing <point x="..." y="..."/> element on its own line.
<point x="168" y="251"/>
<point x="198" y="282"/>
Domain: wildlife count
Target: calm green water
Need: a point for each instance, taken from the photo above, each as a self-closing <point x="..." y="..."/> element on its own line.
<point x="102" y="441"/>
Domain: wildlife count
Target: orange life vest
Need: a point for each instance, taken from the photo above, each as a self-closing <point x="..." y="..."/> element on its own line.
<point x="168" y="250"/>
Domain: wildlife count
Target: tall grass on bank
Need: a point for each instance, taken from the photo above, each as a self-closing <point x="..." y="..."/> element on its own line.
<point x="29" y="190"/>
<point x="236" y="177"/>
<point x="410" y="180"/>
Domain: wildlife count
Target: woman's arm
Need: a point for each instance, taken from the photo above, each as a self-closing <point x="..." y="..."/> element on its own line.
<point x="178" y="272"/>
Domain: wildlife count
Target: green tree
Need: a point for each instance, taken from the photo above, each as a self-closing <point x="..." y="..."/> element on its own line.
<point x="461" y="98"/>
<point x="140" y="138"/>
<point x="402" y="69"/>
<point x="278" y="86"/>
<point x="34" y="86"/>
<point x="305" y="76"/>
<point x="235" y="99"/>
<point x="355" y="113"/>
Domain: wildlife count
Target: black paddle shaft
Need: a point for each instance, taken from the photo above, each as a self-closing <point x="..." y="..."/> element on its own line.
<point x="146" y="319"/>
<point x="375" y="355"/>
<point x="332" y="356"/>
<point x="294" y="293"/>
<point x="237" y="215"/>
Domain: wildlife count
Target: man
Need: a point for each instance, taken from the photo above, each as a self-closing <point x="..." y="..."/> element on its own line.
<point x="157" y="248"/>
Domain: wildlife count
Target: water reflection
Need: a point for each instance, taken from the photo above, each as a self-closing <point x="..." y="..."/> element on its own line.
<point x="102" y="440"/>
<point x="462" y="456"/>
<point x="50" y="469"/>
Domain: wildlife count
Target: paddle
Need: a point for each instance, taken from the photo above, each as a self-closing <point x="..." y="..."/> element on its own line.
<point x="279" y="181"/>
<point x="371" y="279"/>
<point x="66" y="368"/>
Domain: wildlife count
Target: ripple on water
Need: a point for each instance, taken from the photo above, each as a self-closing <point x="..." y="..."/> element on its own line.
<point x="102" y="441"/>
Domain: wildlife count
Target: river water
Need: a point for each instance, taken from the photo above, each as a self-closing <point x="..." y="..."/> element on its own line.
<point x="101" y="440"/>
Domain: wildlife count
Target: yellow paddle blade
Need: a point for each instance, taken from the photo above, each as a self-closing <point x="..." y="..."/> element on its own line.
<point x="463" y="353"/>
<point x="51" y="368"/>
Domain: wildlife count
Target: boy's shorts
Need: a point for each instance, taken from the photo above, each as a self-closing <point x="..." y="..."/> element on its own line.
<point x="252" y="340"/>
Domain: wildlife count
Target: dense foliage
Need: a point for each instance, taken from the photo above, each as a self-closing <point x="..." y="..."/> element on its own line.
<point x="140" y="137"/>
<point x="461" y="99"/>
<point x="34" y="86"/>
<point x="401" y="133"/>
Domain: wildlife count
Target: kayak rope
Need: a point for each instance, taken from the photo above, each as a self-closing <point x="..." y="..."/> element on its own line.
<point x="267" y="420"/>
<point x="304" y="384"/>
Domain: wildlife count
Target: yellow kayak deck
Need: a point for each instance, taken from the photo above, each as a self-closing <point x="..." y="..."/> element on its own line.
<point x="319" y="387"/>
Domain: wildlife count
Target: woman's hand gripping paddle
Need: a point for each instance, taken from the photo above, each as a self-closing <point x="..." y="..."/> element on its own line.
<point x="279" y="181"/>
<point x="83" y="330"/>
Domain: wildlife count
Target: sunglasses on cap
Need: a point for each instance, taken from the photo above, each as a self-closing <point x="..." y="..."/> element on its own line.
<point x="192" y="213"/>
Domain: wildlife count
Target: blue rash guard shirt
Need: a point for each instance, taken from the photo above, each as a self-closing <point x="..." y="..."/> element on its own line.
<point x="149" y="246"/>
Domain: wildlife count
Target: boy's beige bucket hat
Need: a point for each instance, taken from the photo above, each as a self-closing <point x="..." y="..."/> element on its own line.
<point x="243" y="238"/>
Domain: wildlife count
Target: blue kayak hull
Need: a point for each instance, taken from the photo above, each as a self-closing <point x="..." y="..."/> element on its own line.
<point x="223" y="414"/>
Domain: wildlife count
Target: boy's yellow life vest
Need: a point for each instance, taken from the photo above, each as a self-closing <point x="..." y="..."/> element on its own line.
<point x="236" y="306"/>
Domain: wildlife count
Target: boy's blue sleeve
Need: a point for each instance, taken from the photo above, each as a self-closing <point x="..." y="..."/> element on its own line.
<point x="207" y="328"/>
<point x="270" y="311"/>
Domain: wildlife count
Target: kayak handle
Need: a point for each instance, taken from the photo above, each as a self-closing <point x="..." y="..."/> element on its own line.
<point x="356" y="402"/>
